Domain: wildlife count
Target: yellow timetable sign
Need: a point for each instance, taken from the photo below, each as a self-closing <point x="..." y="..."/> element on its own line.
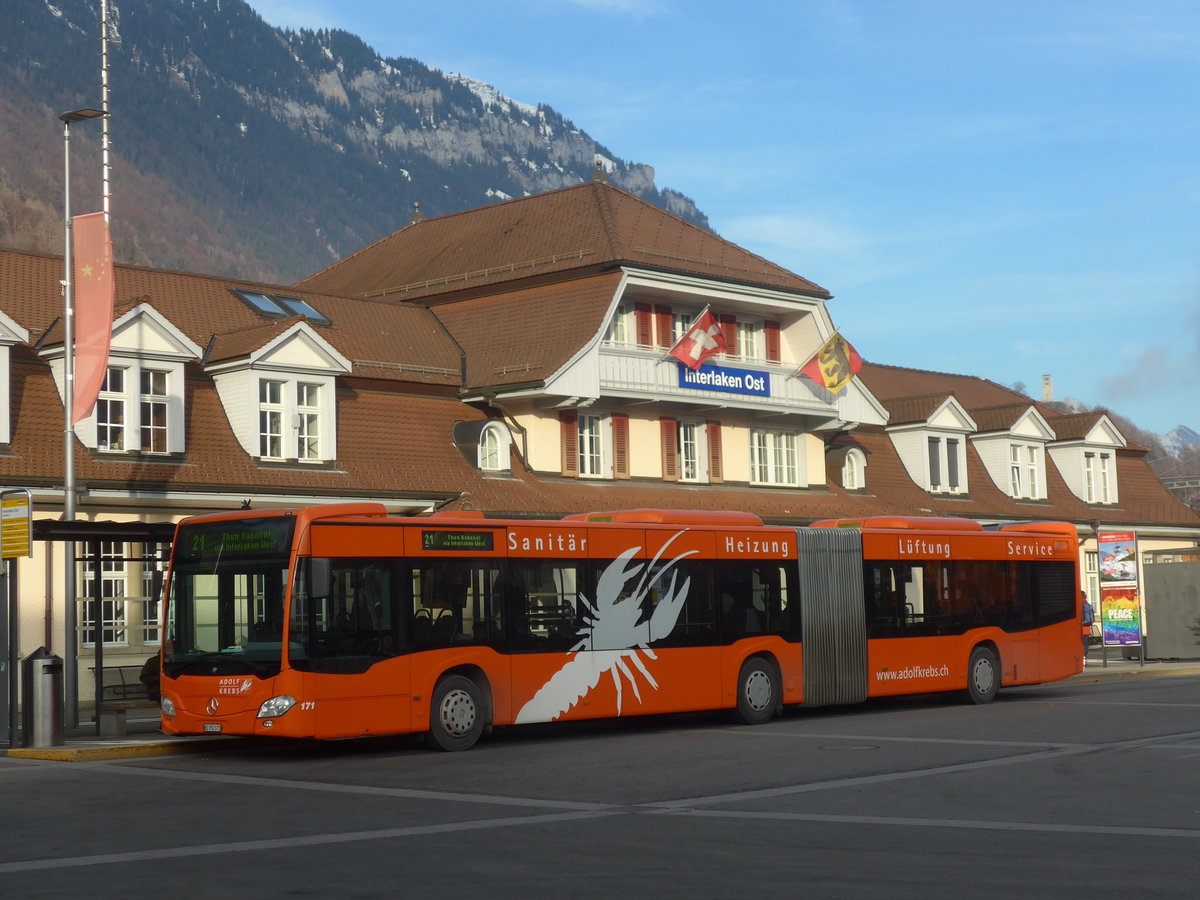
<point x="16" y="524"/>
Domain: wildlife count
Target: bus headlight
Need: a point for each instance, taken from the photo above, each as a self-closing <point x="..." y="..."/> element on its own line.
<point x="166" y="705"/>
<point x="276" y="706"/>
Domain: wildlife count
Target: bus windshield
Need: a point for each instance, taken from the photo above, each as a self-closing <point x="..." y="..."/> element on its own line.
<point x="225" y="608"/>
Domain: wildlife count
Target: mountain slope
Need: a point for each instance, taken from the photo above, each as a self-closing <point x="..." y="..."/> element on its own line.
<point x="242" y="149"/>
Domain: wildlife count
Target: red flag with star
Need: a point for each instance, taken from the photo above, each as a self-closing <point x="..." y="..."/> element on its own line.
<point x="703" y="339"/>
<point x="94" y="291"/>
<point x="834" y="364"/>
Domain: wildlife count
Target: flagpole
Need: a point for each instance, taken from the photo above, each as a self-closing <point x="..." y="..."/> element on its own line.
<point x="70" y="667"/>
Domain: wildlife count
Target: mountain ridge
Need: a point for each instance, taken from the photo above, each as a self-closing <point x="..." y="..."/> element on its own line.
<point x="266" y="153"/>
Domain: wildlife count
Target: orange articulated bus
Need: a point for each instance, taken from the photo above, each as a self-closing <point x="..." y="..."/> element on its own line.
<point x="339" y="621"/>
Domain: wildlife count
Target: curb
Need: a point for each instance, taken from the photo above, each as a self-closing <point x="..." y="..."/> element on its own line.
<point x="129" y="750"/>
<point x="1100" y="674"/>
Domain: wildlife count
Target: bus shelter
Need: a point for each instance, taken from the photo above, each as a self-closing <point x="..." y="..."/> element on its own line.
<point x="119" y="577"/>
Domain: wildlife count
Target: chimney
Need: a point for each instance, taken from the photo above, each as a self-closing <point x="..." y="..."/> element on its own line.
<point x="1047" y="389"/>
<point x="416" y="214"/>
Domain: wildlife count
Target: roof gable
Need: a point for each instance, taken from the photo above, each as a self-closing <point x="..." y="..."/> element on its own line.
<point x="294" y="347"/>
<point x="585" y="226"/>
<point x="145" y="332"/>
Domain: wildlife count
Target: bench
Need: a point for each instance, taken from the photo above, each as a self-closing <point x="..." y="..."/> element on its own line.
<point x="121" y="691"/>
<point x="111" y="715"/>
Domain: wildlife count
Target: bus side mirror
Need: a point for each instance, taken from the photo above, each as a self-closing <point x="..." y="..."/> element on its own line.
<point x="320" y="580"/>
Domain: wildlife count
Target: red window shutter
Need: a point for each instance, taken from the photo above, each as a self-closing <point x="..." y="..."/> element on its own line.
<point x="568" y="424"/>
<point x="620" y="435"/>
<point x="771" y="333"/>
<point x="643" y="315"/>
<point x="670" y="449"/>
<point x="729" y="329"/>
<point x="664" y="323"/>
<point x="716" y="473"/>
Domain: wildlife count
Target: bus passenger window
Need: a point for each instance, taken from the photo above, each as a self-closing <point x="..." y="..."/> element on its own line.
<point x="351" y="628"/>
<point x="551" y="617"/>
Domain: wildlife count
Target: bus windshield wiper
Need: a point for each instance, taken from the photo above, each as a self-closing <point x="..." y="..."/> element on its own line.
<point x="218" y="660"/>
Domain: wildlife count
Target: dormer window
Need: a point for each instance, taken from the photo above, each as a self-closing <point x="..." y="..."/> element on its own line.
<point x="1023" y="471"/>
<point x="139" y="409"/>
<point x="945" y="456"/>
<point x="854" y="470"/>
<point x="281" y="402"/>
<point x="1097" y="477"/>
<point x="495" y="444"/>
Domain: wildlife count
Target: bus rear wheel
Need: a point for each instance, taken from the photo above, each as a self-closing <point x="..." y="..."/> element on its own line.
<point x="757" y="692"/>
<point x="983" y="675"/>
<point x="456" y="716"/>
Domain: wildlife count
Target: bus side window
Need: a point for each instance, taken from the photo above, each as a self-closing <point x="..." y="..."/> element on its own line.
<point x="551" y="616"/>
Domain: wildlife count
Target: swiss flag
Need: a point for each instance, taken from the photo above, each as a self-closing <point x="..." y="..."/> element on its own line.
<point x="834" y="364"/>
<point x="702" y="340"/>
<point x="94" y="290"/>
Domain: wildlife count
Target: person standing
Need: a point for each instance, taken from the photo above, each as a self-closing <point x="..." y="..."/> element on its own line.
<point x="1086" y="620"/>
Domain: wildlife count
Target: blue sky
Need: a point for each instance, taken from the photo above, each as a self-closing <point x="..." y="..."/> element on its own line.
<point x="998" y="189"/>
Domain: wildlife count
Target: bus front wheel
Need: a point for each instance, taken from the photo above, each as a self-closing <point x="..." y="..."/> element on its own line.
<point x="983" y="675"/>
<point x="455" y="714"/>
<point x="757" y="692"/>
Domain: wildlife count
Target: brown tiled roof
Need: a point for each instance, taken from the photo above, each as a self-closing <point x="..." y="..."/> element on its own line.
<point x="896" y="382"/>
<point x="582" y="227"/>
<point x="999" y="418"/>
<point x="1072" y="427"/>
<point x="527" y="335"/>
<point x="906" y="410"/>
<point x="384" y="340"/>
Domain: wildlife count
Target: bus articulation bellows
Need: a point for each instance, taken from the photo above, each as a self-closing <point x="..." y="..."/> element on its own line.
<point x="340" y="621"/>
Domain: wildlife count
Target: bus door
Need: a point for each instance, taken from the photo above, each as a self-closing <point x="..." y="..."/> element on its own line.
<point x="348" y="638"/>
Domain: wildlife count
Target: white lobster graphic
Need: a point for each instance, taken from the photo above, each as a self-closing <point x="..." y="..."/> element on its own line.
<point x="614" y="622"/>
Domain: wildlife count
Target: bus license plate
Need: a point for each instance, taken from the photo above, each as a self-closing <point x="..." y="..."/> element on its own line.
<point x="212" y="728"/>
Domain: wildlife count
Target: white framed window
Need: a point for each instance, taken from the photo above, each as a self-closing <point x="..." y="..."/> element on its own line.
<point x="945" y="456"/>
<point x="153" y="405"/>
<point x="774" y="458"/>
<point x="1097" y="477"/>
<point x="495" y="444"/>
<point x="154" y="556"/>
<point x="750" y="338"/>
<point x="680" y="322"/>
<point x="139" y="409"/>
<point x="106" y="616"/>
<point x="270" y="419"/>
<point x="854" y="470"/>
<point x="692" y="445"/>
<point x="308" y="421"/>
<point x="110" y="412"/>
<point x="621" y="329"/>
<point x="592" y="458"/>
<point x="1023" y="471"/>
<point x="489" y="451"/>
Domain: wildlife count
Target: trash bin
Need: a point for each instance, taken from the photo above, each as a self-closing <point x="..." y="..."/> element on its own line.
<point x="42" y="699"/>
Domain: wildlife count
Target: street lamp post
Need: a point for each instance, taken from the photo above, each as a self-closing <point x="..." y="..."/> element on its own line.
<point x="70" y="660"/>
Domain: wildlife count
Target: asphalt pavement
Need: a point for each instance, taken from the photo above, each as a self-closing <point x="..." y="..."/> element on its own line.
<point x="145" y="739"/>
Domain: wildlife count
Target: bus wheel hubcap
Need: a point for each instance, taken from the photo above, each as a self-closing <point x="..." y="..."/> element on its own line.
<point x="758" y="690"/>
<point x="984" y="677"/>
<point x="458" y="713"/>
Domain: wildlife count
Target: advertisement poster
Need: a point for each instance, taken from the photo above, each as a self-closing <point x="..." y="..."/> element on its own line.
<point x="1120" y="610"/>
